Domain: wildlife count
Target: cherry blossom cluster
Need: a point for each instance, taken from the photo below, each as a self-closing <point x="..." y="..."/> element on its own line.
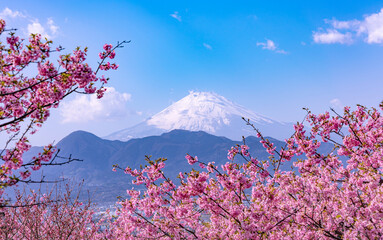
<point x="26" y="99"/>
<point x="332" y="195"/>
<point x="46" y="216"/>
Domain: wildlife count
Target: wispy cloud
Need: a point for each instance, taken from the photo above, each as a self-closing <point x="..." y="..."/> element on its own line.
<point x="336" y="104"/>
<point x="207" y="46"/>
<point x="370" y="28"/>
<point x="332" y="36"/>
<point x="176" y="15"/>
<point x="351" y="24"/>
<point x="8" y="13"/>
<point x="281" y="51"/>
<point x="52" y="26"/>
<point x="85" y="108"/>
<point x="270" y="45"/>
<point x="29" y="24"/>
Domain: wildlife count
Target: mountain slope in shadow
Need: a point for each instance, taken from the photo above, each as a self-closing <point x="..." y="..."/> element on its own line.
<point x="99" y="155"/>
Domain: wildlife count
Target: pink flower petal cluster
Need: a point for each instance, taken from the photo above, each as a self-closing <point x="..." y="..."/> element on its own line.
<point x="47" y="216"/>
<point x="26" y="99"/>
<point x="332" y="195"/>
<point x="191" y="160"/>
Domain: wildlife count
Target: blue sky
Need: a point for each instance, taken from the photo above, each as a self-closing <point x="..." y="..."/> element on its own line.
<point x="273" y="57"/>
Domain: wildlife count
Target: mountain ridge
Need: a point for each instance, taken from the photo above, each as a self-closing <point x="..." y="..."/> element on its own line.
<point x="99" y="156"/>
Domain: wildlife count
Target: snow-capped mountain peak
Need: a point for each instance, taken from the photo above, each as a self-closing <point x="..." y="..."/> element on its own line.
<point x="204" y="111"/>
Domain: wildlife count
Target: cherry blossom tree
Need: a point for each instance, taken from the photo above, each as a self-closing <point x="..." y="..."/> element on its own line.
<point x="334" y="195"/>
<point x="26" y="99"/>
<point x="49" y="215"/>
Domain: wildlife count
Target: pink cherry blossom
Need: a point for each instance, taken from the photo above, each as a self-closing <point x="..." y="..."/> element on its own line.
<point x="328" y="198"/>
<point x="26" y="100"/>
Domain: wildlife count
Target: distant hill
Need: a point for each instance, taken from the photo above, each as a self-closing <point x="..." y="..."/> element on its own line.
<point x="99" y="155"/>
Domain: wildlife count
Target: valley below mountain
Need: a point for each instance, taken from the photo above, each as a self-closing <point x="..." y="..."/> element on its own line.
<point x="99" y="155"/>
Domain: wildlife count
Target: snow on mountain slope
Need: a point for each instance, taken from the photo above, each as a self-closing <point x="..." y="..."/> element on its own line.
<point x="205" y="111"/>
<point x="201" y="111"/>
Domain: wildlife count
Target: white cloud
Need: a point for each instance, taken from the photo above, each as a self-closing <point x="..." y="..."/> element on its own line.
<point x="85" y="108"/>
<point x="176" y="15"/>
<point x="336" y="104"/>
<point x="373" y="27"/>
<point x="270" y="45"/>
<point x="35" y="27"/>
<point x="52" y="27"/>
<point x="8" y="13"/>
<point x="352" y="24"/>
<point x="207" y="46"/>
<point x="370" y="28"/>
<point x="28" y="24"/>
<point x="332" y="36"/>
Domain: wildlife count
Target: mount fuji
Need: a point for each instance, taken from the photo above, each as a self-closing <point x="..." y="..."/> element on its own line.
<point x="208" y="112"/>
